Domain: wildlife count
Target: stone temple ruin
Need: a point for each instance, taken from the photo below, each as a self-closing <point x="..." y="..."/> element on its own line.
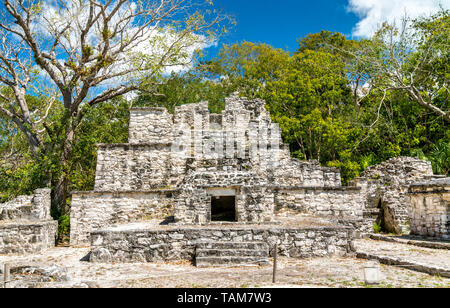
<point x="227" y="180"/>
<point x="224" y="184"/>
<point x="222" y="188"/>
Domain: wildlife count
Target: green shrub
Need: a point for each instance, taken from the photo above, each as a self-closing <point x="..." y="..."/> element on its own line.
<point x="376" y="227"/>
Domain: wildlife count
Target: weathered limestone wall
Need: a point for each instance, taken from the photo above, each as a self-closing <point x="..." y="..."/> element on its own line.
<point x="34" y="207"/>
<point x="150" y="126"/>
<point x="340" y="204"/>
<point x="190" y="152"/>
<point x="94" y="210"/>
<point x="20" y="237"/>
<point x="125" y="167"/>
<point x="257" y="204"/>
<point x="254" y="204"/>
<point x="161" y="146"/>
<point x="385" y="187"/>
<point x="26" y="225"/>
<point x="179" y="244"/>
<point x="430" y="208"/>
<point x="254" y="201"/>
<point x="293" y="172"/>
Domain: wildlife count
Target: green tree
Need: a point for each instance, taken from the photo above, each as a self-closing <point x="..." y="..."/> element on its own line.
<point x="187" y="88"/>
<point x="20" y="173"/>
<point x="89" y="52"/>
<point x="413" y="59"/>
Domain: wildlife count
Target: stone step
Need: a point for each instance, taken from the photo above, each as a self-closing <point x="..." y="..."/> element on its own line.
<point x="227" y="261"/>
<point x="233" y="245"/>
<point x="231" y="252"/>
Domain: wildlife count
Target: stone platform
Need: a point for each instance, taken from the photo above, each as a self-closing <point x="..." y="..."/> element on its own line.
<point x="20" y="237"/>
<point x="422" y="259"/>
<point x="150" y="242"/>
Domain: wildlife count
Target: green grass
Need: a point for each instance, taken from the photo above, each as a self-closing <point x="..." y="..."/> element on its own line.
<point x="376" y="227"/>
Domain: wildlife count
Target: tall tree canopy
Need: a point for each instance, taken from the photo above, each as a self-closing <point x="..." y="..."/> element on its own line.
<point x="413" y="58"/>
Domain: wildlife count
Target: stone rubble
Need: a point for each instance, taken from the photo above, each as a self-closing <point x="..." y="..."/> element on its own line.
<point x="384" y="189"/>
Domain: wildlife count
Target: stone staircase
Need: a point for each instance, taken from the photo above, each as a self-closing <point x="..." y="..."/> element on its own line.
<point x="231" y="253"/>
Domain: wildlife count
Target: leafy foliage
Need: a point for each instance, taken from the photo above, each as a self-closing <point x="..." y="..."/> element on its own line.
<point x="377" y="227"/>
<point x="21" y="174"/>
<point x="189" y="88"/>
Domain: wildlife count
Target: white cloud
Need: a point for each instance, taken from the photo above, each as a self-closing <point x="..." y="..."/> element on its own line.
<point x="373" y="12"/>
<point x="152" y="45"/>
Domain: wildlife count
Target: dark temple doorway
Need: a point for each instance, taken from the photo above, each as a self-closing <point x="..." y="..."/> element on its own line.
<point x="223" y="208"/>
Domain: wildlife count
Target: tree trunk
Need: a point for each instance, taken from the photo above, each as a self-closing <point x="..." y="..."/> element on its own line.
<point x="60" y="195"/>
<point x="61" y="186"/>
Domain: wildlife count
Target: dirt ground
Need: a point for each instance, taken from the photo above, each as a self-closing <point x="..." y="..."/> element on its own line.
<point x="342" y="272"/>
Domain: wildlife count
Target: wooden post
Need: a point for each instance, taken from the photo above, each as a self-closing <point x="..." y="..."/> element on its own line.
<point x="275" y="255"/>
<point x="6" y="274"/>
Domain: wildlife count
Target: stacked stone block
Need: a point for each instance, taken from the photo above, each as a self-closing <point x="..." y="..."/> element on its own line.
<point x="160" y="130"/>
<point x="343" y="205"/>
<point x="94" y="210"/>
<point x="385" y="191"/>
<point x="152" y="159"/>
<point x="26" y="225"/>
<point x="430" y="208"/>
<point x="180" y="243"/>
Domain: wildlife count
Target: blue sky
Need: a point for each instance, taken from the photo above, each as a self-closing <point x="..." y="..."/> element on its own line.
<point x="281" y="23"/>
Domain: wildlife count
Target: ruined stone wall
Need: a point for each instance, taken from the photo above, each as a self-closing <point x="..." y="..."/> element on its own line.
<point x="254" y="201"/>
<point x="370" y="200"/>
<point x="125" y="167"/>
<point x="430" y="208"/>
<point x="20" y="237"/>
<point x="150" y="126"/>
<point x="160" y="145"/>
<point x="258" y="204"/>
<point x="192" y="151"/>
<point x="293" y="172"/>
<point x="26" y="225"/>
<point x="340" y="204"/>
<point x="385" y="187"/>
<point x="94" y="210"/>
<point x="18" y="208"/>
<point x="179" y="244"/>
<point x="34" y="207"/>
